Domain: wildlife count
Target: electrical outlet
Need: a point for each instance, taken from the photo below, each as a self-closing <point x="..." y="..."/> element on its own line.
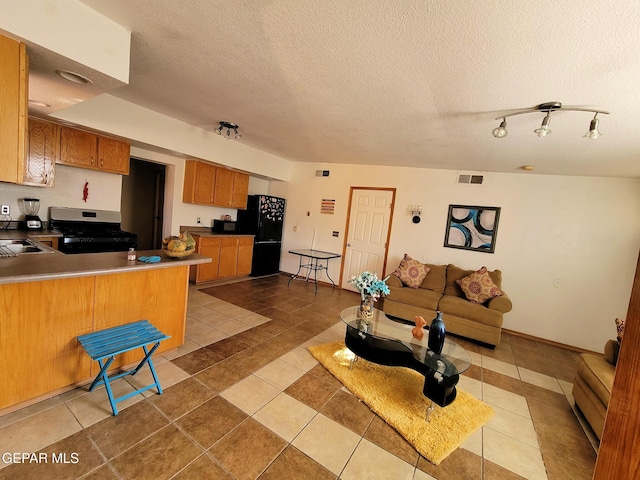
<point x="5" y="210"/>
<point x="198" y="220"/>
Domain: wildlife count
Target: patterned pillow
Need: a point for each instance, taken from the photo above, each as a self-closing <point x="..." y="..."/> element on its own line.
<point x="411" y="272"/>
<point x="620" y="329"/>
<point x="478" y="286"/>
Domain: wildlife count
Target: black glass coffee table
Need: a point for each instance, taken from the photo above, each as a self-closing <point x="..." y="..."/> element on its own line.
<point x="389" y="342"/>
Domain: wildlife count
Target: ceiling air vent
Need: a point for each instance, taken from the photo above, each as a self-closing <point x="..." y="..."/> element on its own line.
<point x="322" y="173"/>
<point x="468" y="178"/>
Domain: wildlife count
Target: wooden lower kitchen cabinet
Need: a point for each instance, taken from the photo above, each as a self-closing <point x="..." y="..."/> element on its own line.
<point x="51" y="242"/>
<point x="209" y="247"/>
<point x="231" y="257"/>
<point x="39" y="351"/>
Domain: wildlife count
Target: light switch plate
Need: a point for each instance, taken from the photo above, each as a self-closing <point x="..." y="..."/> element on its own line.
<point x="5" y="210"/>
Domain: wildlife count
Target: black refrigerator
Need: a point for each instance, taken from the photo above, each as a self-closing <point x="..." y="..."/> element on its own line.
<point x="263" y="218"/>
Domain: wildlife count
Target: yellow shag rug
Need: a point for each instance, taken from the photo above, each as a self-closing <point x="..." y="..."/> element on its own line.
<point x="395" y="394"/>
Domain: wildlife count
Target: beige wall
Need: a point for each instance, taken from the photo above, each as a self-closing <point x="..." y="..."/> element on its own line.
<point x="567" y="246"/>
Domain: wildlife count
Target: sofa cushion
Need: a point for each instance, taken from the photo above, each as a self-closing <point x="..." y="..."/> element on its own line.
<point x="461" y="308"/>
<point x="478" y="286"/>
<point x="420" y="297"/>
<point x="411" y="271"/>
<point x="598" y="374"/>
<point x="456" y="273"/>
<point x="436" y="278"/>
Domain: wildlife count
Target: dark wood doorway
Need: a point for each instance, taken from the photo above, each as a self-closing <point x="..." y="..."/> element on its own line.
<point x="142" y="203"/>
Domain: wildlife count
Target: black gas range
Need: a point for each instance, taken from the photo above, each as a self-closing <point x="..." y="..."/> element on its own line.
<point x="90" y="231"/>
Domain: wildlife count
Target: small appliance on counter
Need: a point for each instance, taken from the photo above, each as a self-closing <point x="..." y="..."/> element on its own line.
<point x="224" y="226"/>
<point x="32" y="206"/>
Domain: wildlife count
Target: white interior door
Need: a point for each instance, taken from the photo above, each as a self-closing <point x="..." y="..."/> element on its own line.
<point x="368" y="233"/>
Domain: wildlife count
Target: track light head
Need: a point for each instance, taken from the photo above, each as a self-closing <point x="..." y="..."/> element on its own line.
<point x="593" y="132"/>
<point x="544" y="130"/>
<point x="501" y="131"/>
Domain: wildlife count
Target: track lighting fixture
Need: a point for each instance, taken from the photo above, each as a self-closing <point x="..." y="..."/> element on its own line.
<point x="544" y="130"/>
<point x="229" y="126"/>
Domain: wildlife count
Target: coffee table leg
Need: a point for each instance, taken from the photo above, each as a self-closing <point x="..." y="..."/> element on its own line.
<point x="429" y="410"/>
<point x="353" y="360"/>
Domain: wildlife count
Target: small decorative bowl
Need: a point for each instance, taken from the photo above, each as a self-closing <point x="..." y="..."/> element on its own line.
<point x="184" y="253"/>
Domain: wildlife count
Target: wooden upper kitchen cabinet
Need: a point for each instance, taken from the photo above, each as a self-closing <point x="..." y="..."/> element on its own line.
<point x="88" y="150"/>
<point x="42" y="152"/>
<point x="206" y="184"/>
<point x="199" y="182"/>
<point x="14" y="91"/>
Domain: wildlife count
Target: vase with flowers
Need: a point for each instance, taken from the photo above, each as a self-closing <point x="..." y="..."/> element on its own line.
<point x="371" y="288"/>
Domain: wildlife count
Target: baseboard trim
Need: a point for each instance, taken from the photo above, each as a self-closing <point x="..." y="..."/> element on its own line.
<point x="549" y="342"/>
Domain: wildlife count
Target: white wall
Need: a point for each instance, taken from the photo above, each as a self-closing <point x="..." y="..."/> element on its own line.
<point x="567" y="246"/>
<point x="104" y="192"/>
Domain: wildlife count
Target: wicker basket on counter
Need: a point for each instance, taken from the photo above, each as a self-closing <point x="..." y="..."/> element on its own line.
<point x="184" y="253"/>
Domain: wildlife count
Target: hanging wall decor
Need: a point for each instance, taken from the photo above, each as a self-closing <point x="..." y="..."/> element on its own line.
<point x="472" y="228"/>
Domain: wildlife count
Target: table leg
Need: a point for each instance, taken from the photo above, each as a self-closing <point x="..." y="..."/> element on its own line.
<point x="295" y="274"/>
<point x="430" y="409"/>
<point x="327" y="269"/>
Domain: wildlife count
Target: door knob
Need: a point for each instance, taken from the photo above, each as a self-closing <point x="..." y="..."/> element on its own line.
<point x="348" y="244"/>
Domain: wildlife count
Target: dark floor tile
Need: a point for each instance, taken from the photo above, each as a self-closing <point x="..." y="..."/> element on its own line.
<point x="256" y="357"/>
<point x="249" y="438"/>
<point x="491" y="471"/>
<point x="115" y="434"/>
<point x="324" y="374"/>
<point x="461" y="464"/>
<point x="559" y="416"/>
<point x="222" y="375"/>
<point x="69" y="458"/>
<point x="203" y="469"/>
<point x="228" y="347"/>
<point x="558" y="445"/>
<point x="160" y="456"/>
<point x="504" y="382"/>
<point x="197" y="360"/>
<point x="292" y="464"/>
<point x="211" y="421"/>
<point x="386" y="437"/>
<point x="566" y="468"/>
<point x="182" y="397"/>
<point x="502" y="352"/>
<point x="346" y="409"/>
<point x="312" y="391"/>
<point x="102" y="473"/>
<point x="256" y="335"/>
<point x="474" y="372"/>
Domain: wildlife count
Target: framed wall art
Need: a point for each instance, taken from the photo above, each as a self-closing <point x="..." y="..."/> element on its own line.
<point x="472" y="228"/>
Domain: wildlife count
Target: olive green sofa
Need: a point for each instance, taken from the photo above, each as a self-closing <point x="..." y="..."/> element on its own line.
<point x="440" y="292"/>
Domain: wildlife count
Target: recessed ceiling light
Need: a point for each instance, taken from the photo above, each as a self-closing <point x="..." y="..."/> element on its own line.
<point x="37" y="103"/>
<point x="74" y="77"/>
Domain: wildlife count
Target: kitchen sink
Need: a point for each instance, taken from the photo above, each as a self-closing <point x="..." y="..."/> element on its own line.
<point x="12" y="248"/>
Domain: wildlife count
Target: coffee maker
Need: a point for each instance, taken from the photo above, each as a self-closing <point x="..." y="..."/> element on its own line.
<point x="32" y="206"/>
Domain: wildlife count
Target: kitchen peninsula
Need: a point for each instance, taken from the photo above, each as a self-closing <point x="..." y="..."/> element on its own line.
<point x="48" y="299"/>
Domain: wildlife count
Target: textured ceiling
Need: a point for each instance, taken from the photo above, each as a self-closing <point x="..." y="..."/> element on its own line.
<point x="395" y="82"/>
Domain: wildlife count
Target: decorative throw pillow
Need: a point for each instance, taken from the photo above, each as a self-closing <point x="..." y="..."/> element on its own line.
<point x="411" y="271"/>
<point x="620" y="329"/>
<point x="478" y="286"/>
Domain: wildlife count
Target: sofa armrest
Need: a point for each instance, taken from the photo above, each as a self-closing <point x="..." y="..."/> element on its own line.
<point x="501" y="303"/>
<point x="394" y="281"/>
<point x="611" y="350"/>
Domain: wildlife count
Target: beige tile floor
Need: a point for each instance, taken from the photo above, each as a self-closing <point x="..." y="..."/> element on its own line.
<point x="243" y="398"/>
